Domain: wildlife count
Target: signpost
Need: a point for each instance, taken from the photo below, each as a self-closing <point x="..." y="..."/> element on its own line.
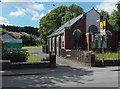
<point x="103" y="33"/>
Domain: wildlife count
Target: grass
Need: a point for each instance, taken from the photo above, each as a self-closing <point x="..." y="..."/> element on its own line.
<point x="99" y="56"/>
<point x="32" y="47"/>
<point x="33" y="58"/>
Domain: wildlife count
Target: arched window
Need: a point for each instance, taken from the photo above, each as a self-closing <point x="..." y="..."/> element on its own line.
<point x="93" y="29"/>
<point x="77" y="34"/>
<point x="78" y="31"/>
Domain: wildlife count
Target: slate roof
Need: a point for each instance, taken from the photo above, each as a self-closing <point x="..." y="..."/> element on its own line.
<point x="67" y="24"/>
<point x="70" y="23"/>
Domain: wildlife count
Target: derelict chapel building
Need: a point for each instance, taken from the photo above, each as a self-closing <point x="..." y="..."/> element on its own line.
<point x="82" y="32"/>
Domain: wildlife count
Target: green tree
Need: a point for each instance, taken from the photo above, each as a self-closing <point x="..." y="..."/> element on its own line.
<point x="115" y="20"/>
<point x="104" y="14"/>
<point x="57" y="17"/>
<point x="51" y="22"/>
<point x="72" y="11"/>
<point x="115" y="17"/>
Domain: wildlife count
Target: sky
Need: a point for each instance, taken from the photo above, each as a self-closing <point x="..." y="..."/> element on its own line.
<point x="29" y="12"/>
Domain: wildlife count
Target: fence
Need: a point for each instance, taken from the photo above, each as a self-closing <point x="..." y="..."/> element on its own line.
<point x="86" y="57"/>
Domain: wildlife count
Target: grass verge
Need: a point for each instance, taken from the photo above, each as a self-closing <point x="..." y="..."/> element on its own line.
<point x="32" y="47"/>
<point x="33" y="58"/>
<point x="100" y="56"/>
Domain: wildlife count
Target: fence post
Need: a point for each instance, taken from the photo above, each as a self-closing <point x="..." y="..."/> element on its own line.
<point x="92" y="59"/>
<point x="5" y="64"/>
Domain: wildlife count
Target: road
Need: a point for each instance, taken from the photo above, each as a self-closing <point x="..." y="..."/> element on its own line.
<point x="67" y="74"/>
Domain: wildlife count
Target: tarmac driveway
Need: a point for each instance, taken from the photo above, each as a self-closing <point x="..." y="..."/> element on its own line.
<point x="67" y="74"/>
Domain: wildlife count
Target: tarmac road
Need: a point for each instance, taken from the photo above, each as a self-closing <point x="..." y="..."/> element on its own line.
<point x="67" y="74"/>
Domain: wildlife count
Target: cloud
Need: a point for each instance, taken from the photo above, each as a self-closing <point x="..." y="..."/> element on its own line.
<point x="38" y="6"/>
<point x="20" y="12"/>
<point x="4" y="21"/>
<point x="35" y="15"/>
<point x="38" y="16"/>
<point x="108" y="6"/>
<point x="41" y="15"/>
<point x="49" y="10"/>
<point x="30" y="8"/>
<point x="16" y="1"/>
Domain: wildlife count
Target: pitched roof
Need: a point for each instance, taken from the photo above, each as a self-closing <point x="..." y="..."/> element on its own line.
<point x="9" y="35"/>
<point x="67" y="24"/>
<point x="70" y="23"/>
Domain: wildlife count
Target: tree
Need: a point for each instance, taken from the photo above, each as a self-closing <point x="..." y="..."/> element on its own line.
<point x="27" y="29"/>
<point x="104" y="14"/>
<point x="57" y="17"/>
<point x="115" y="17"/>
<point x="115" y="20"/>
<point x="72" y="11"/>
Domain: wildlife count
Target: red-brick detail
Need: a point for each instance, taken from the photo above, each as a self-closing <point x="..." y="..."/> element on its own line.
<point x="68" y="34"/>
<point x="112" y="40"/>
<point x="88" y="39"/>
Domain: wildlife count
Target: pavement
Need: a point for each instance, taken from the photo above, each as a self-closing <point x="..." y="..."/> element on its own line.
<point x="68" y="73"/>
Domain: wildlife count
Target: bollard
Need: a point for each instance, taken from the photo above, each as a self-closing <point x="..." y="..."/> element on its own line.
<point x="52" y="57"/>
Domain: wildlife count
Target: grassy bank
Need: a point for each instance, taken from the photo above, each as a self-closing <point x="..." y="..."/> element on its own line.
<point x="100" y="56"/>
<point x="32" y="47"/>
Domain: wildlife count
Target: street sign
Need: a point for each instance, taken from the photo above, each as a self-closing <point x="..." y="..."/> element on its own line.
<point x="103" y="28"/>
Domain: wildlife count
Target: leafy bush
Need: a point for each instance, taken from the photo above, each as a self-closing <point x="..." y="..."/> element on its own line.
<point x="15" y="55"/>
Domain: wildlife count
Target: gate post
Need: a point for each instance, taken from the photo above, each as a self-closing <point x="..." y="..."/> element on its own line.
<point x="52" y="57"/>
<point x="92" y="59"/>
<point x="88" y="38"/>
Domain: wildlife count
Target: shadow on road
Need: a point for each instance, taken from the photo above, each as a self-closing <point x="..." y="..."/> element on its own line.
<point x="48" y="77"/>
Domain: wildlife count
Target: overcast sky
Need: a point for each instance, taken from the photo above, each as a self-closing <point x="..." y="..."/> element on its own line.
<point x="29" y="12"/>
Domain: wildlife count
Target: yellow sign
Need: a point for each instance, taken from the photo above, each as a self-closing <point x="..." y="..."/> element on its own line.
<point x="103" y="28"/>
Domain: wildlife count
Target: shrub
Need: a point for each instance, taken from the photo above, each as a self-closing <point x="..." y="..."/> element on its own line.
<point x="15" y="55"/>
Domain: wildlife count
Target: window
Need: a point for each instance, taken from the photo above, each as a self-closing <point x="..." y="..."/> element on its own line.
<point x="93" y="29"/>
<point x="62" y="44"/>
<point x="77" y="34"/>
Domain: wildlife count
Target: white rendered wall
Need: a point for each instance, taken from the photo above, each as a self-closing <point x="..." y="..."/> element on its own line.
<point x="91" y="19"/>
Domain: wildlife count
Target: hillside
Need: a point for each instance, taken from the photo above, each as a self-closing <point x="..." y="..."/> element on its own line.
<point x="26" y="29"/>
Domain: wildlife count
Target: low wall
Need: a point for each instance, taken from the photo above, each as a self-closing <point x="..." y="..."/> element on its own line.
<point x="6" y="64"/>
<point x="111" y="62"/>
<point x="26" y="65"/>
